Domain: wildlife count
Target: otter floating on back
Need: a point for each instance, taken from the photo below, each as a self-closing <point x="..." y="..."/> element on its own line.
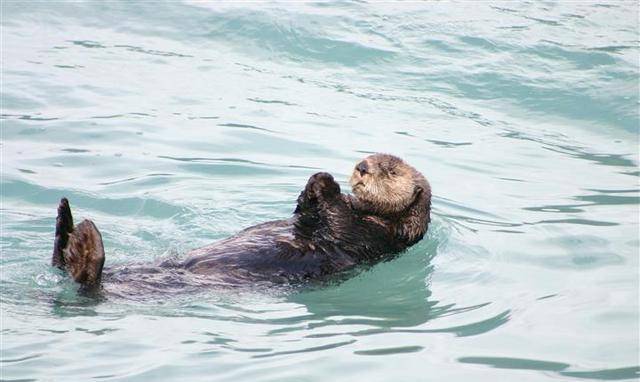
<point x="329" y="233"/>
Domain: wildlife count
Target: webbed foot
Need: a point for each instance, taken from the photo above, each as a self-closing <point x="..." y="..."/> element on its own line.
<point x="78" y="250"/>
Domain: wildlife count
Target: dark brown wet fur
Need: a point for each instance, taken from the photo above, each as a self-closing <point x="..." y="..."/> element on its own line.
<point x="329" y="233"/>
<point x="79" y="249"/>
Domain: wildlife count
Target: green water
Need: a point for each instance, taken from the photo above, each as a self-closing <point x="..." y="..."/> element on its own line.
<point x="172" y="125"/>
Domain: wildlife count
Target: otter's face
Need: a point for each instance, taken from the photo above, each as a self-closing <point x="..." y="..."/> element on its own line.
<point x="385" y="181"/>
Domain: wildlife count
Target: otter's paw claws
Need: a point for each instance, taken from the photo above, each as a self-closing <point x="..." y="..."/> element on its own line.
<point x="322" y="186"/>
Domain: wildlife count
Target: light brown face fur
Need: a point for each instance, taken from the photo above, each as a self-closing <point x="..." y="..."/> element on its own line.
<point x="386" y="182"/>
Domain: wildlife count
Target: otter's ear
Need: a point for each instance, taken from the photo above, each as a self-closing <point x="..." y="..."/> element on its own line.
<point x="417" y="192"/>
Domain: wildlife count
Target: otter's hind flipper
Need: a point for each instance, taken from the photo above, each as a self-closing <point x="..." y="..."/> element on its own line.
<point x="79" y="249"/>
<point x="64" y="226"/>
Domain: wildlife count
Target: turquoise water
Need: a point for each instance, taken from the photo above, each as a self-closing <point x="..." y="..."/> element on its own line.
<point x="173" y="125"/>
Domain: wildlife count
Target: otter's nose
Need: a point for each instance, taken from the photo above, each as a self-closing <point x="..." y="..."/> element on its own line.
<point x="362" y="167"/>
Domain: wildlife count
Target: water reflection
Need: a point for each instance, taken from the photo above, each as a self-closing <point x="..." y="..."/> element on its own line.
<point x="560" y="368"/>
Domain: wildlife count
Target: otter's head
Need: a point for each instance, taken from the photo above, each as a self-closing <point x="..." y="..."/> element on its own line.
<point x="387" y="183"/>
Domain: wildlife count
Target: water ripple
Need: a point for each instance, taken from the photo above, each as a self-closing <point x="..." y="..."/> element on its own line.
<point x="176" y="124"/>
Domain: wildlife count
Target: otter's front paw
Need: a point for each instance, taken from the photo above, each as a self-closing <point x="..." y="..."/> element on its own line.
<point x="322" y="186"/>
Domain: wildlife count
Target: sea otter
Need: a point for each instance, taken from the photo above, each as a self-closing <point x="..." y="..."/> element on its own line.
<point x="328" y="234"/>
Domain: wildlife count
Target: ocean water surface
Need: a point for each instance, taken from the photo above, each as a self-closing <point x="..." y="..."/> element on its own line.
<point x="175" y="124"/>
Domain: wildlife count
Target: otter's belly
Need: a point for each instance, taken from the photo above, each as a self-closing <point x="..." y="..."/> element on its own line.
<point x="269" y="260"/>
<point x="268" y="252"/>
